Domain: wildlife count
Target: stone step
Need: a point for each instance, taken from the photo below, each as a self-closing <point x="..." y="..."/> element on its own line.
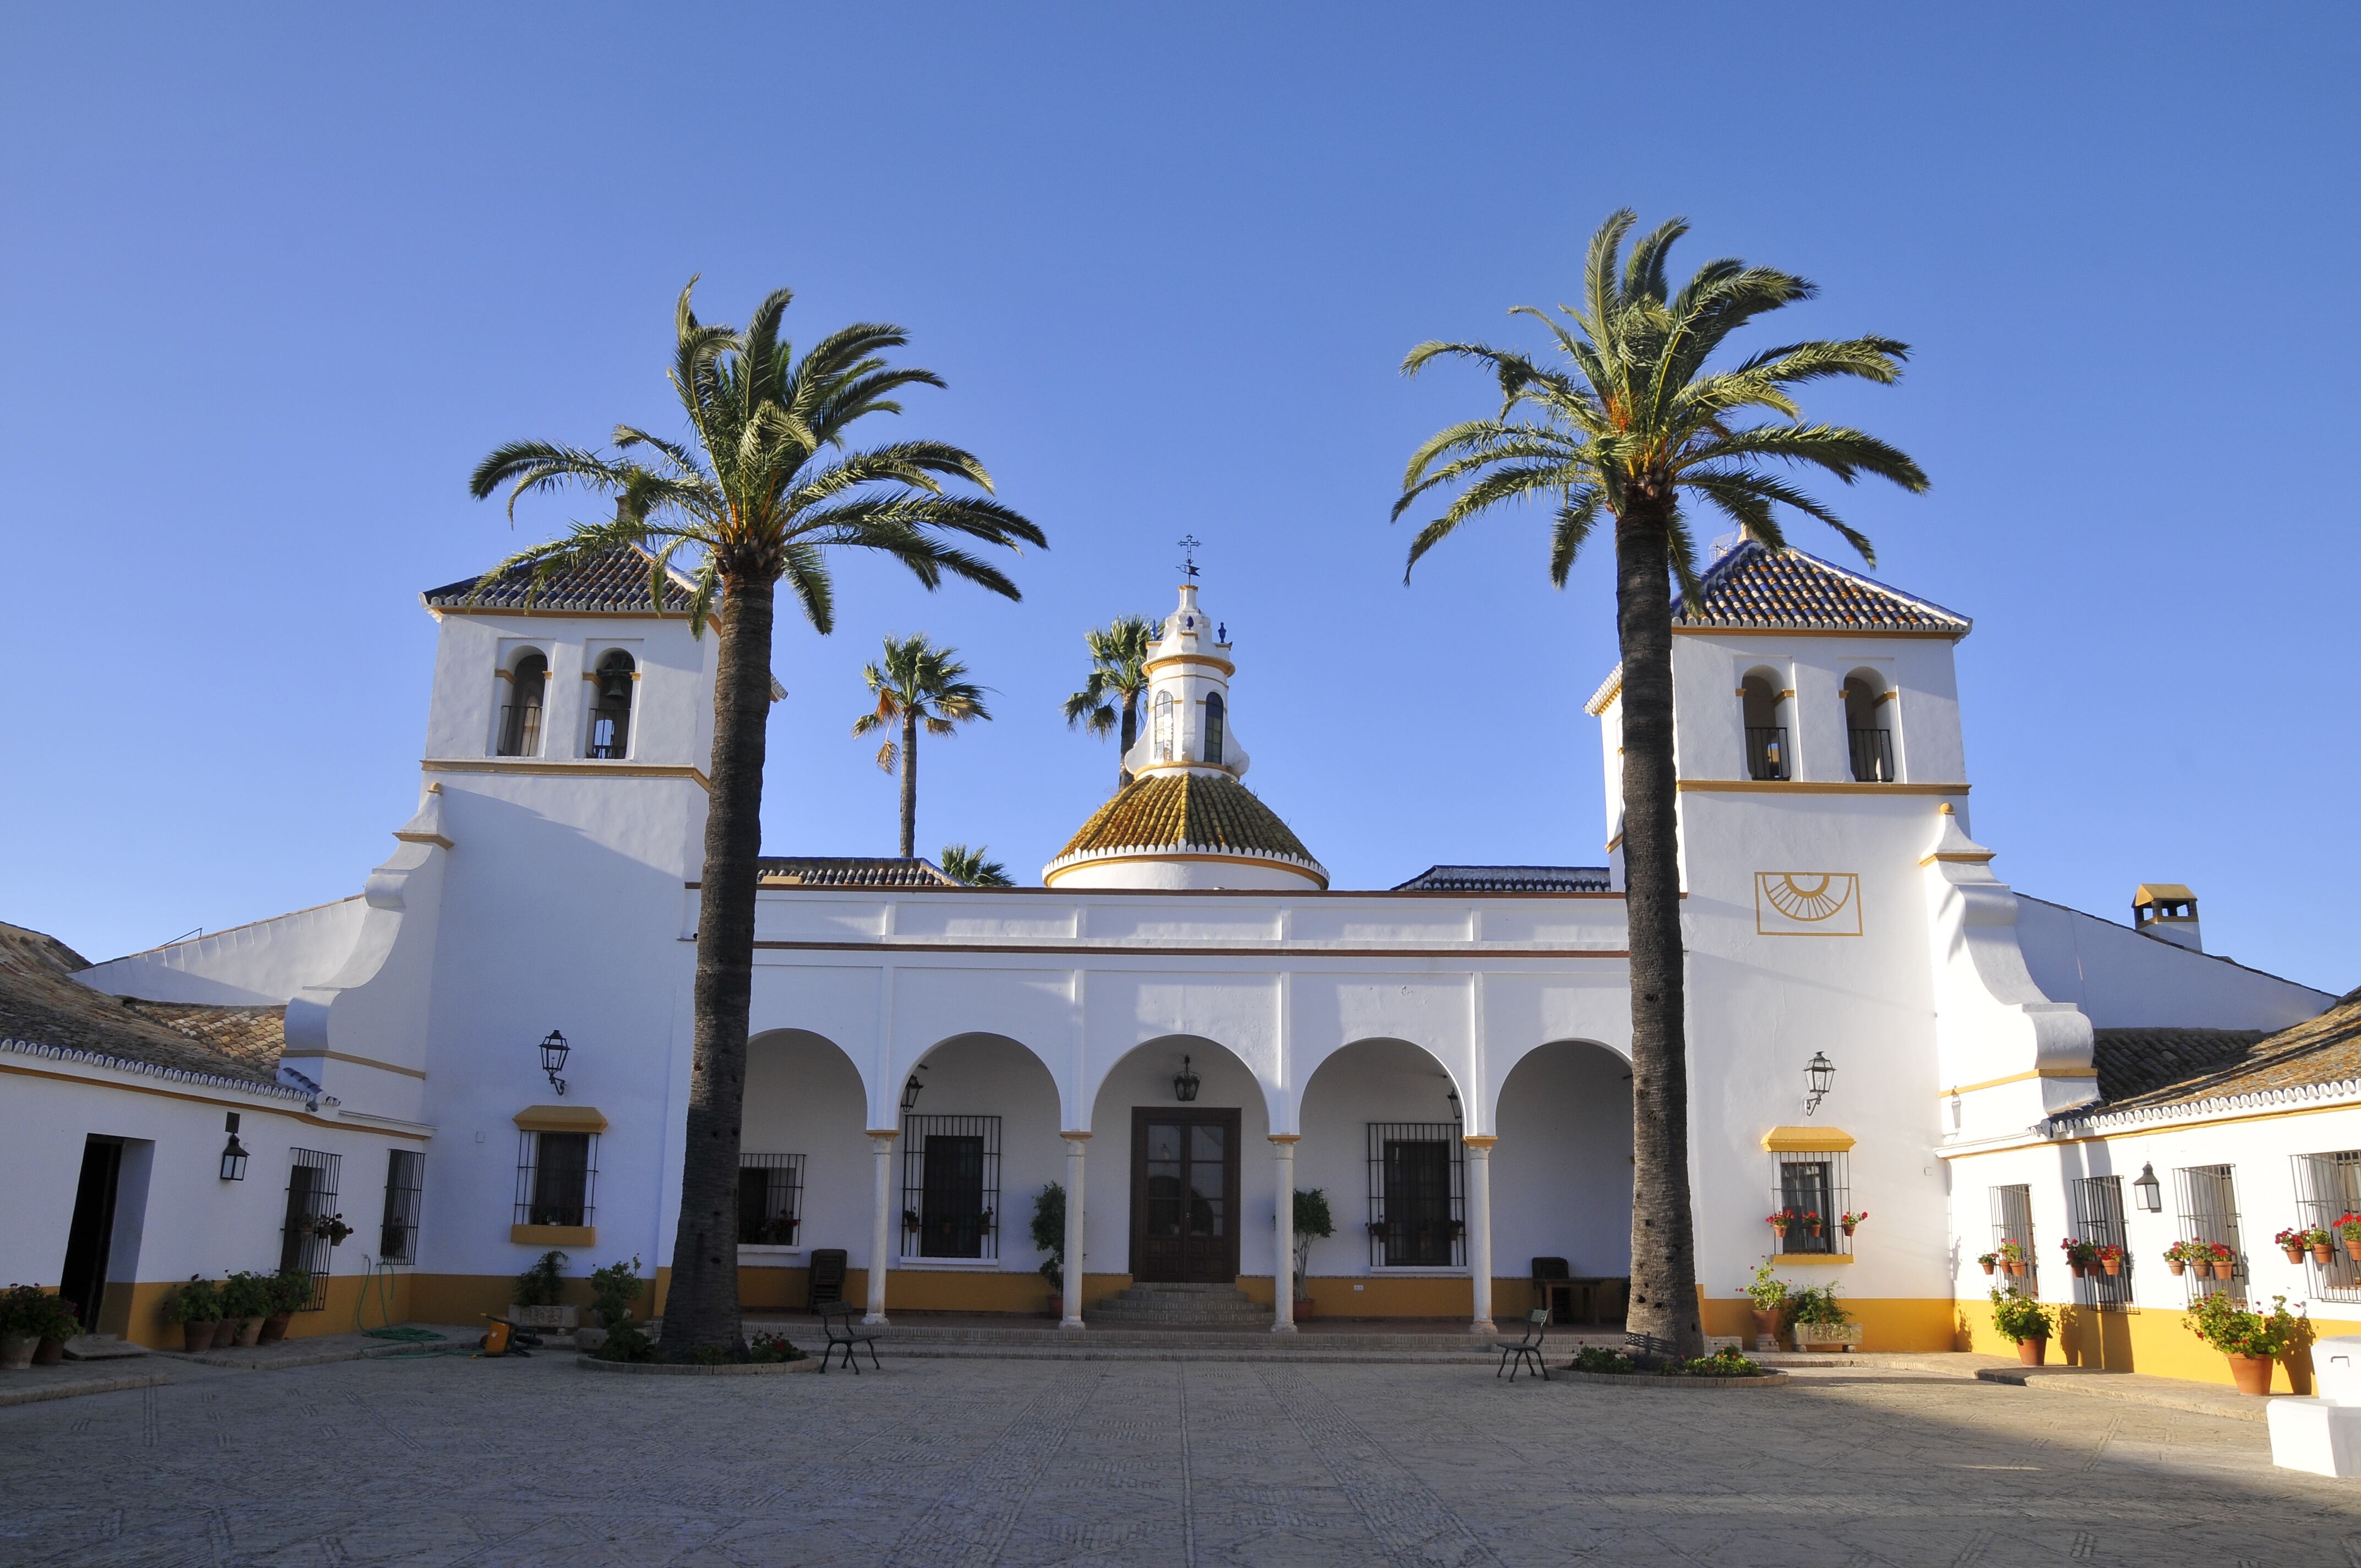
<point x="1114" y="1310"/>
<point x="101" y="1347"/>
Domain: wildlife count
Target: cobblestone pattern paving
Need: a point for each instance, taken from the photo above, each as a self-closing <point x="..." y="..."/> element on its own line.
<point x="1152" y="1463"/>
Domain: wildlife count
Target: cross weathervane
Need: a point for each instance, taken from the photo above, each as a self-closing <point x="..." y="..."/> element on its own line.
<point x="1190" y="545"/>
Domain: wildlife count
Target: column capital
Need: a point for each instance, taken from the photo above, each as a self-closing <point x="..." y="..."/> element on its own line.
<point x="1075" y="1138"/>
<point x="1479" y="1140"/>
<point x="885" y="1131"/>
<point x="1287" y="1138"/>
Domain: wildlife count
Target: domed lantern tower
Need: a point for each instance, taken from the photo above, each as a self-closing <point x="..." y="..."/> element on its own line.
<point x="1184" y="821"/>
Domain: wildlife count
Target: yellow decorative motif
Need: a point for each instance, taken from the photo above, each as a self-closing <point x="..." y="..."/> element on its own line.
<point x="1808" y="904"/>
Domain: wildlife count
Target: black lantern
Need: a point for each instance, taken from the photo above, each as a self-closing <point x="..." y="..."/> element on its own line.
<point x="910" y="1092"/>
<point x="233" y="1166"/>
<point x="1185" y="1083"/>
<point x="1818" y="1074"/>
<point x="554" y="1050"/>
<point x="2149" y="1190"/>
<point x="1452" y="1094"/>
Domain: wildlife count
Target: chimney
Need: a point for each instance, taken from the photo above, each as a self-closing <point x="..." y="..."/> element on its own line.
<point x="2166" y="910"/>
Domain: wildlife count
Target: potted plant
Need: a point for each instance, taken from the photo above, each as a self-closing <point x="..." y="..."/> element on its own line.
<point x="1767" y="1296"/>
<point x="1313" y="1223"/>
<point x="20" y="1330"/>
<point x="2020" y="1318"/>
<point x="2224" y="1261"/>
<point x="1850" y="1220"/>
<point x="1816" y="1319"/>
<point x="535" y="1305"/>
<point x="1990" y="1260"/>
<point x="1781" y="1219"/>
<point x="245" y="1303"/>
<point x="2080" y="1255"/>
<point x="1812" y="1221"/>
<point x="2319" y="1241"/>
<point x="2251" y="1340"/>
<point x="196" y="1306"/>
<point x="1049" y="1237"/>
<point x="2348" y="1230"/>
<point x="2176" y="1256"/>
<point x="613" y="1291"/>
<point x="2111" y="1258"/>
<point x="2012" y="1258"/>
<point x="290" y="1291"/>
<point x="51" y="1319"/>
<point x="330" y="1228"/>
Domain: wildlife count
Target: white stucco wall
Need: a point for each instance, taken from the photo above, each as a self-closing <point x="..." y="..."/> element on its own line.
<point x="2121" y="977"/>
<point x="256" y="965"/>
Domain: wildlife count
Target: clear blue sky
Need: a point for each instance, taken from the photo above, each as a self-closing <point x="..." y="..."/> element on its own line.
<point x="273" y="281"/>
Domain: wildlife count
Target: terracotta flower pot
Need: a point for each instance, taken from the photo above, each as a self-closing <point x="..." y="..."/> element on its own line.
<point x="2112" y="1264"/>
<point x="1813" y="1226"/>
<point x="2295" y="1254"/>
<point x="2224" y="1268"/>
<point x="2176" y="1264"/>
<point x="2353" y="1246"/>
<point x="1988" y="1266"/>
<point x="249" y="1330"/>
<point x="2323" y="1253"/>
<point x="1781" y="1232"/>
<point x="2079" y="1269"/>
<point x="2252" y="1373"/>
<point x="1849" y="1230"/>
<point x="16" y="1350"/>
<point x="1766" y="1324"/>
<point x="197" y="1338"/>
<point x="51" y="1352"/>
<point x="274" y="1328"/>
<point x="2299" y="1371"/>
<point x="2033" y="1352"/>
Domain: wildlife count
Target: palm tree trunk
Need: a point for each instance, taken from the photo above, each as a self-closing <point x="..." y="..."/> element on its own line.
<point x="1663" y="1242"/>
<point x="701" y="1309"/>
<point x="1130" y="737"/>
<point x="909" y="783"/>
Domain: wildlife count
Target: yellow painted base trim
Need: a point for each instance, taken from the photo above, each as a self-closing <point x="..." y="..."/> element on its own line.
<point x="1894" y="1324"/>
<point x="136" y="1312"/>
<point x="554" y="1236"/>
<point x="1808" y="1259"/>
<point x="2152" y="1340"/>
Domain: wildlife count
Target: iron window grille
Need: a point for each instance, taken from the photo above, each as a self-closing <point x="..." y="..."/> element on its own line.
<point x="310" y="1198"/>
<point x="1818" y="1182"/>
<point x="1418" y="1195"/>
<point x="2012" y="1221"/>
<point x="610" y="712"/>
<point x="2207" y="1197"/>
<point x="770" y="1199"/>
<point x="950" y="1187"/>
<point x="405" y="1172"/>
<point x="2327" y="1187"/>
<point x="2097" y="1203"/>
<point x="1873" y="755"/>
<point x="1766" y="751"/>
<point x="558" y="1178"/>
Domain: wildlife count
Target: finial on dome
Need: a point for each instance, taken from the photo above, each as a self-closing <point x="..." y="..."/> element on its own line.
<point x="1190" y="545"/>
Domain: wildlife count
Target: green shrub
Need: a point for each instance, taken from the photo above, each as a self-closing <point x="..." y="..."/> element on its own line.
<point x="245" y="1294"/>
<point x="2224" y="1323"/>
<point x="29" y="1310"/>
<point x="1598" y="1358"/>
<point x="613" y="1291"/>
<point x="627" y="1341"/>
<point x="198" y="1301"/>
<point x="1050" y="1232"/>
<point x="766" y="1348"/>
<point x="1766" y="1291"/>
<point x="2019" y="1317"/>
<point x="290" y="1291"/>
<point x="1726" y="1362"/>
<point x="1816" y="1304"/>
<point x="538" y="1286"/>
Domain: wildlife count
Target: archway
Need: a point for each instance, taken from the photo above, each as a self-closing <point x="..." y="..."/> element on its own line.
<point x="978" y="1146"/>
<point x="1181" y="1192"/>
<point x="804" y="1165"/>
<point x="1562" y="1173"/>
<point x="1383" y="1142"/>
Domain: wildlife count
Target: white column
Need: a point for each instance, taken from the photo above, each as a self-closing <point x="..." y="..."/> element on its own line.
<point x="1076" y="1143"/>
<point x="1282" y="1277"/>
<point x="1479" y="1227"/>
<point x="882" y="1229"/>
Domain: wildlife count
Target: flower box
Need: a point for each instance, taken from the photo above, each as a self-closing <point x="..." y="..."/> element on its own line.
<point x="1827" y="1337"/>
<point x="565" y="1317"/>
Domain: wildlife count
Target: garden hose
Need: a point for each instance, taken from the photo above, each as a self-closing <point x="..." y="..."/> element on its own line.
<point x="380" y="1278"/>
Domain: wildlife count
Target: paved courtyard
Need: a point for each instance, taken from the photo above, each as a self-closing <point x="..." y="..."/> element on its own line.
<point x="946" y="1462"/>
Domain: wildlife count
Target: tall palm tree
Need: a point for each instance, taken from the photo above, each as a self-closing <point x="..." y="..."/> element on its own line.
<point x="1630" y="425"/>
<point x="975" y="867"/>
<point x="917" y="685"/>
<point x="765" y="487"/>
<point x="1118" y="676"/>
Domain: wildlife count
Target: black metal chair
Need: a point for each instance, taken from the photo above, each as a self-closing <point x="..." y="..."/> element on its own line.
<point x="827" y="1279"/>
<point x="844" y="1333"/>
<point x="1525" y="1351"/>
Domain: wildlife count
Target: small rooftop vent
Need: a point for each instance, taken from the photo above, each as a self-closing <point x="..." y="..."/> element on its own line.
<point x="2166" y="910"/>
<point x="1508" y="879"/>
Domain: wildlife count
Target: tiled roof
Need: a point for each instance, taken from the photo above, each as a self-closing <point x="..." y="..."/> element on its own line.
<point x="2141" y="1068"/>
<point x="851" y="871"/>
<point x="1753" y="588"/>
<point x="613" y="584"/>
<point x="1186" y="811"/>
<point x="43" y="1004"/>
<point x="2134" y="1063"/>
<point x="1507" y="879"/>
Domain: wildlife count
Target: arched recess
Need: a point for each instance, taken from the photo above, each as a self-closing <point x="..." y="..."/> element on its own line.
<point x="1763" y="708"/>
<point x="804" y="1122"/>
<point x="978" y="1141"/>
<point x="1870" y="740"/>
<point x="1138" y="1090"/>
<point x="1382" y="1122"/>
<point x="1562" y="1170"/>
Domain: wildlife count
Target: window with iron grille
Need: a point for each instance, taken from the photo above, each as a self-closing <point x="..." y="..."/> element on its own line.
<point x="2208" y="1202"/>
<point x="950" y="1187"/>
<point x="311" y="1199"/>
<point x="1816" y="1185"/>
<point x="557" y="1177"/>
<point x="1418" y="1206"/>
<point x="405" y="1171"/>
<point x="770" y="1199"/>
<point x="2328" y="1187"/>
<point x="2012" y="1221"/>
<point x="2097" y="1205"/>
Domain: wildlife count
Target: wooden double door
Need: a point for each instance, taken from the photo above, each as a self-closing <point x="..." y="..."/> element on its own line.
<point x="1184" y="1195"/>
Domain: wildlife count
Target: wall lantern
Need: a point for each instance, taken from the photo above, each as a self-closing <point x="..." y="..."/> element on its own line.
<point x="910" y="1092"/>
<point x="1818" y="1074"/>
<point x="1452" y="1094"/>
<point x="1185" y="1083"/>
<point x="232" y="1167"/>
<point x="554" y="1050"/>
<point x="2149" y="1192"/>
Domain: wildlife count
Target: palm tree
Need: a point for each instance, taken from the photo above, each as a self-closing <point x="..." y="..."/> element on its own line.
<point x="918" y="685"/>
<point x="1118" y="676"/>
<point x="1628" y="426"/>
<point x="763" y="489"/>
<point x="974" y="867"/>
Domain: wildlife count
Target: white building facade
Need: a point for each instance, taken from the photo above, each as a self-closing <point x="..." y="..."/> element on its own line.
<point x="1189" y="1022"/>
